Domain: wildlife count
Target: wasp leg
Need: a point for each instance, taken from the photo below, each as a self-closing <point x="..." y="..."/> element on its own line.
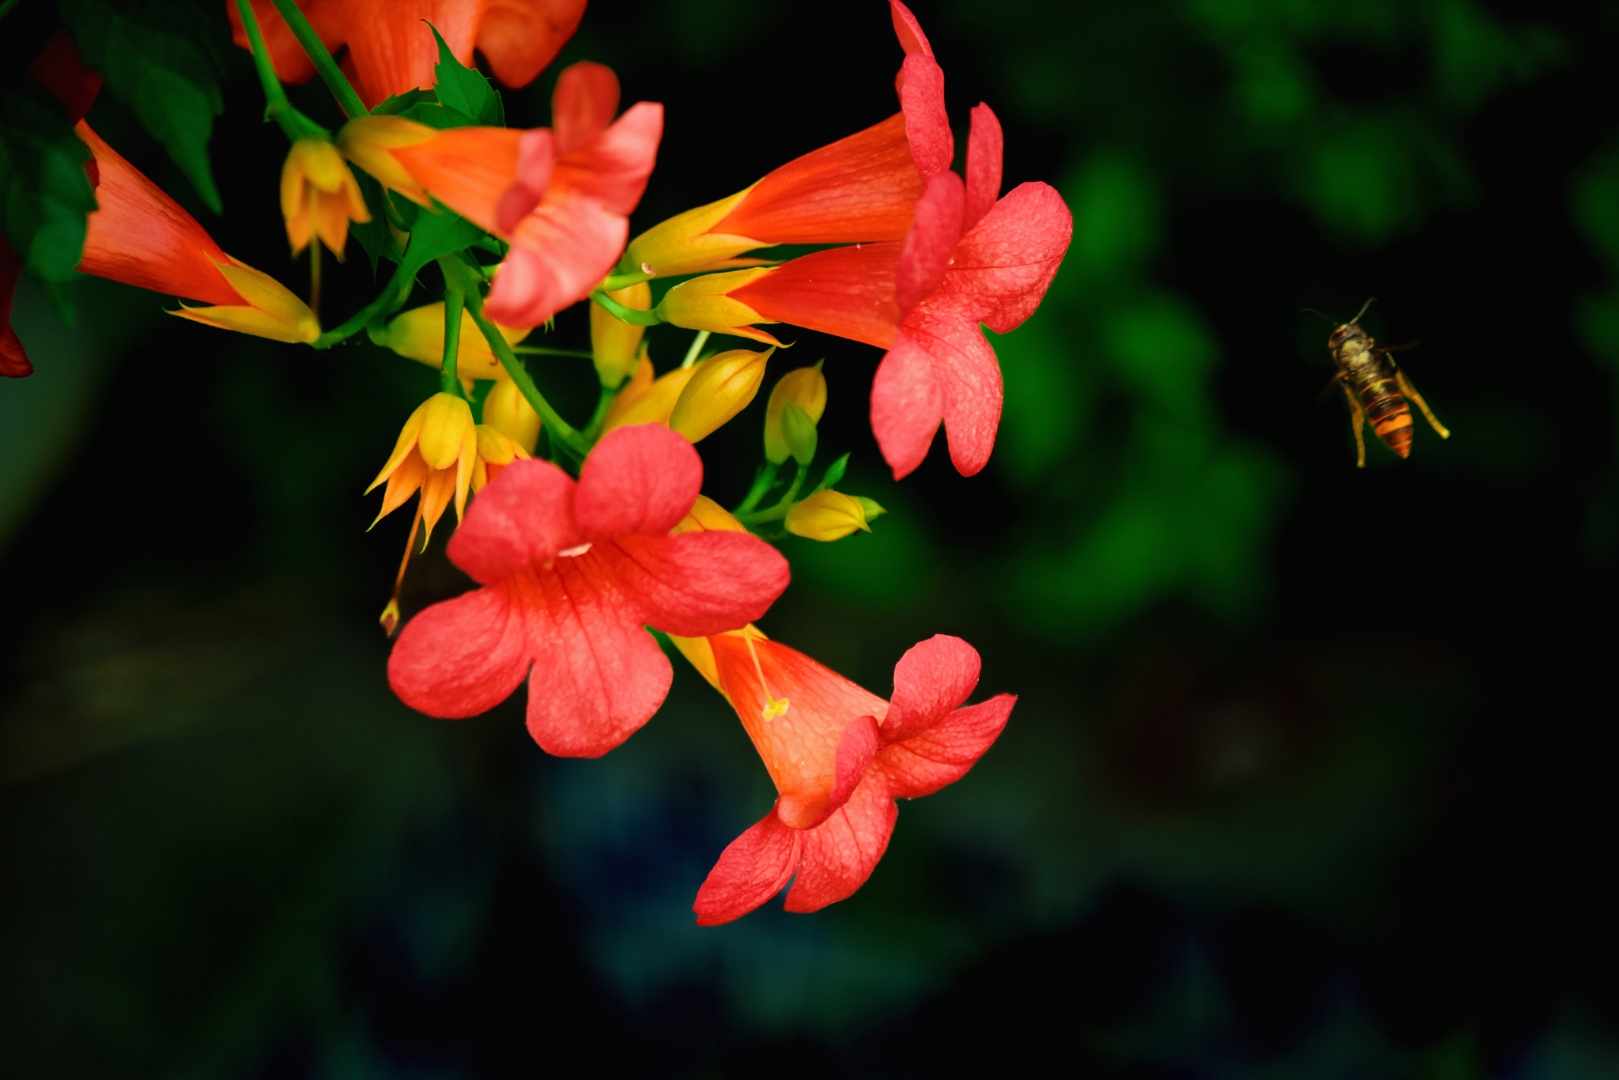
<point x="1357" y="421"/>
<point x="1411" y="392"/>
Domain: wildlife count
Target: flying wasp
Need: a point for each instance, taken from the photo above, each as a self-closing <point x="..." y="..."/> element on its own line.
<point x="1376" y="389"/>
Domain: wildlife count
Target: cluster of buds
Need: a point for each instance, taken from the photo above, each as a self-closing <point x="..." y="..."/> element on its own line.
<point x="582" y="537"/>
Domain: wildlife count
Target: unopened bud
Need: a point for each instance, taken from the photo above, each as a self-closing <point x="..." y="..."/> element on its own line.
<point x="720" y="387"/>
<point x="828" y="515"/>
<point x="446" y="427"/>
<point x="508" y="412"/>
<point x="798" y="433"/>
<point x="804" y="387"/>
<point x="614" y="345"/>
<point x="419" y="335"/>
<point x="709" y="516"/>
<point x="647" y="400"/>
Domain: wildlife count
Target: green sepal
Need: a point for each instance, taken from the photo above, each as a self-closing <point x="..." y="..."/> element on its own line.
<point x="159" y="60"/>
<point x="44" y="192"/>
<point x="798" y="432"/>
<point x="872" y="507"/>
<point x="834" y="473"/>
<point x="465" y="90"/>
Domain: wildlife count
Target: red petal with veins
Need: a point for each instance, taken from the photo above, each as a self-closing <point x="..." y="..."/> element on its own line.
<point x="930" y="680"/>
<point x="985" y="149"/>
<point x="927" y="125"/>
<point x="522" y="518"/>
<point x="847" y="291"/>
<point x="907" y="405"/>
<point x="856" y="750"/>
<point x="464" y="656"/>
<point x="699" y="583"/>
<point x="840" y="853"/>
<point x="941" y="755"/>
<point x="908" y="30"/>
<point x="642" y="478"/>
<point x="756" y="866"/>
<point x="1006" y="262"/>
<point x="931" y="243"/>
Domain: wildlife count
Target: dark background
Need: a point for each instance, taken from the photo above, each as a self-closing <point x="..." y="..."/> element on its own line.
<point x="1309" y="774"/>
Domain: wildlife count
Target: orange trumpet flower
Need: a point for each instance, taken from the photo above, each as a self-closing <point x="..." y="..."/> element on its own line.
<point x="391" y="50"/>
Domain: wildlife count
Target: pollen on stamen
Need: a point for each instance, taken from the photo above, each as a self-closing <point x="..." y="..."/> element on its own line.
<point x="774" y="707"/>
<point x="569" y="553"/>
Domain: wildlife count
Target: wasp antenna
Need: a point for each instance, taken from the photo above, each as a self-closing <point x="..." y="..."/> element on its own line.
<point x="1317" y="314"/>
<point x="1362" y="311"/>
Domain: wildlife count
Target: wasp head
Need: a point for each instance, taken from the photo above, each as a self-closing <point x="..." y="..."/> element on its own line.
<point x="1344" y="333"/>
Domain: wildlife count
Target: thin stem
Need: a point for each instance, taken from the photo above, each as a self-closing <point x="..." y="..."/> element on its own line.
<point x="362" y="318"/>
<point x="696" y="347"/>
<point x="622" y="281"/>
<point x="541" y="350"/>
<point x="779" y="511"/>
<point x="762" y="483"/>
<point x="598" y="418"/>
<point x="454" y="300"/>
<point x="390" y="614"/>
<point x="314" y="275"/>
<point x="294" y="124"/>
<point x="330" y="73"/>
<point x="626" y="314"/>
<point x="459" y="275"/>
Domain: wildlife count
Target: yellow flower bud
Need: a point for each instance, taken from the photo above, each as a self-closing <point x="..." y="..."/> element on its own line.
<point x="508" y="411"/>
<point x="419" y="335"/>
<point x="704" y="303"/>
<point x="319" y="196"/>
<point x="496" y="450"/>
<point x="828" y="515"/>
<point x="645" y="400"/>
<point x="709" y="516"/>
<point x="615" y="345"/>
<point x="804" y="387"/>
<point x="720" y="387"/>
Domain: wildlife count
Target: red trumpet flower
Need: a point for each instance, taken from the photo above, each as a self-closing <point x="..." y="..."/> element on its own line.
<point x="571" y="575"/>
<point x="561" y="195"/>
<point x="839" y="757"/>
<point x="391" y="50"/>
<point x="14" y="361"/>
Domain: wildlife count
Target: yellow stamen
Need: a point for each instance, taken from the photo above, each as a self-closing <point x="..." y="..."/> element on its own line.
<point x="390" y="614"/>
<point x="774" y="706"/>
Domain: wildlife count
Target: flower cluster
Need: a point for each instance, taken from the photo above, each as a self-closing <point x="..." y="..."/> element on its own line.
<point x="591" y="544"/>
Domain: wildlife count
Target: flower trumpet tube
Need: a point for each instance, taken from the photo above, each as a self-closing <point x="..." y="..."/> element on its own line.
<point x="708" y="303"/>
<point x="571" y="573"/>
<point x="391" y="50"/>
<point x="436" y="453"/>
<point x="418" y="334"/>
<point x="719" y="388"/>
<point x="319" y="196"/>
<point x="839" y="757"/>
<point x="804" y="388"/>
<point x="561" y="195"/>
<point x="139" y="236"/>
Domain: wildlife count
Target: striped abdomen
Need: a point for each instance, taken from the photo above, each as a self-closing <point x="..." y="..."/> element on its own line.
<point x="1386" y="411"/>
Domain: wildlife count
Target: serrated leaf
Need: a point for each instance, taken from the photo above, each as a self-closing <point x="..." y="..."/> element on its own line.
<point x="374" y="235"/>
<point x="437" y="116"/>
<point x="834" y="473"/>
<point x="44" y="192"/>
<point x="396" y="104"/>
<point x="435" y="235"/>
<point x="157" y="59"/>
<point x="464" y="89"/>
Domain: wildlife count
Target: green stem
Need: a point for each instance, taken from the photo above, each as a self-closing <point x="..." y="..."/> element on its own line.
<point x="541" y="350"/>
<point x="779" y="511"/>
<point x="598" y="418"/>
<point x="623" y="281"/>
<point x="696" y="347"/>
<point x="626" y="314"/>
<point x="454" y="301"/>
<point x="294" y="124"/>
<point x="560" y="430"/>
<point x="762" y="483"/>
<point x="362" y="318"/>
<point x="330" y="73"/>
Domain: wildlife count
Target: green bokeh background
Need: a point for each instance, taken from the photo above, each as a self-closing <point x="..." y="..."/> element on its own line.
<point x="1309" y="773"/>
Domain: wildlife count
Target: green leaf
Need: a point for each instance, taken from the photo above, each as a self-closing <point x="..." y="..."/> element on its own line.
<point x="834" y="473"/>
<point x="464" y="89"/>
<point x="161" y="61"/>
<point x="374" y="235"/>
<point x="435" y="235"/>
<point x="398" y="103"/>
<point x="44" y="192"/>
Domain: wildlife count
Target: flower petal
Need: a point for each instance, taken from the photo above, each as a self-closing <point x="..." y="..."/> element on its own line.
<point x="584" y="102"/>
<point x="1006" y="262"/>
<point x="931" y="243"/>
<point x="699" y="583"/>
<point x="754" y="867"/>
<point x="984" y="153"/>
<point x="471" y="169"/>
<point x="519" y="37"/>
<point x="463" y="656"/>
<point x="907" y="405"/>
<point x="559" y="253"/>
<point x="856" y="750"/>
<point x="613" y="168"/>
<point x="598" y="675"/>
<point x="639" y="479"/>
<point x="930" y="680"/>
<point x="969" y="380"/>
<point x="523" y="518"/>
<point x="943" y="753"/>
<point x="927" y="125"/>
<point x="840" y="853"/>
<point x="908" y="30"/>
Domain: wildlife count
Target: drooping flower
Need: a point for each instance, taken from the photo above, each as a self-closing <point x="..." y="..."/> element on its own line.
<point x="969" y="258"/>
<point x="139" y="236"/>
<point x="839" y="757"/>
<point x="571" y="575"/>
<point x="14" y="363"/>
<point x="437" y="454"/>
<point x="319" y="196"/>
<point x="560" y="195"/>
<point x="391" y="50"/>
